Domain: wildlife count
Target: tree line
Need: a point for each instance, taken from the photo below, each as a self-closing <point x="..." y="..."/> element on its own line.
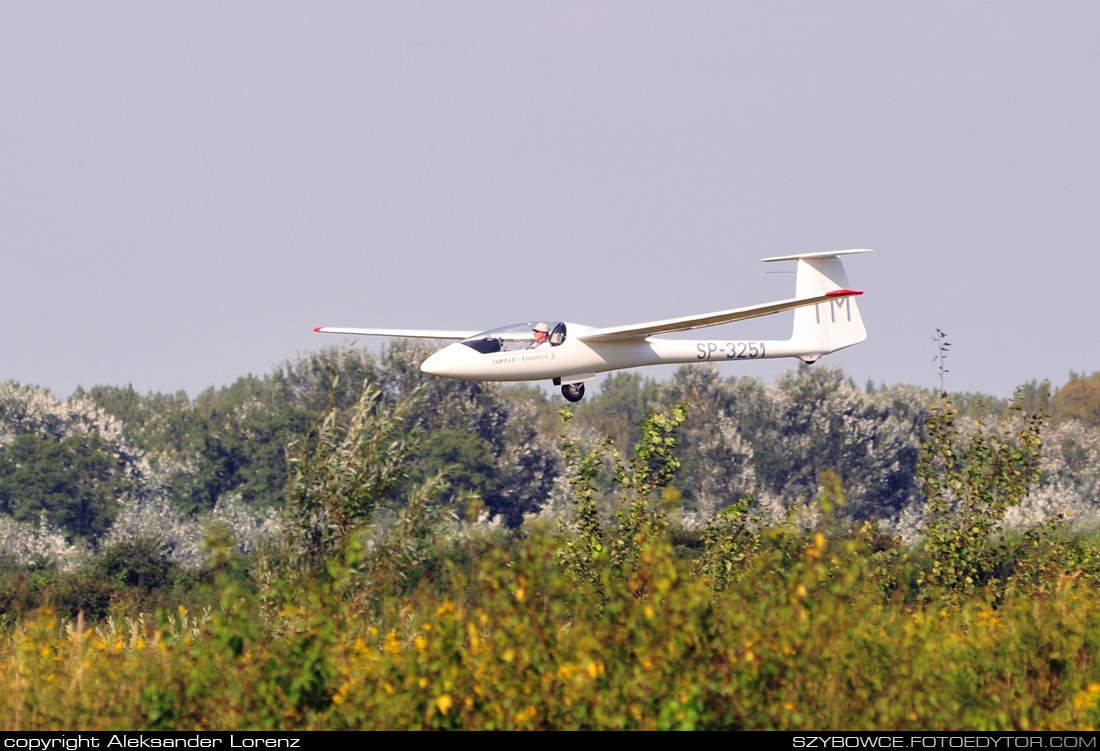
<point x="110" y="465"/>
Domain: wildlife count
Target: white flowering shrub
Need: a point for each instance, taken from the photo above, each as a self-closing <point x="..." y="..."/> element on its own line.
<point x="718" y="457"/>
<point x="37" y="545"/>
<point x="1070" y="481"/>
<point x="27" y="410"/>
<point x="181" y="539"/>
<point x="746" y="439"/>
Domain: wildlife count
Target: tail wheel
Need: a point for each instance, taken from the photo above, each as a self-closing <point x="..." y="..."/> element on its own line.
<point x="573" y="392"/>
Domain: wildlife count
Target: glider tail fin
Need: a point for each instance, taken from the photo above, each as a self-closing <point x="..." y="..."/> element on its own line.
<point x="829" y="326"/>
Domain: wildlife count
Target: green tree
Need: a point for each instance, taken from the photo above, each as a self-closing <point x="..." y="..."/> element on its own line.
<point x="346" y="470"/>
<point x="75" y="482"/>
<point x="971" y="478"/>
<point x="624" y="401"/>
<point x="468" y="461"/>
<point x="611" y="556"/>
<point x="747" y="439"/>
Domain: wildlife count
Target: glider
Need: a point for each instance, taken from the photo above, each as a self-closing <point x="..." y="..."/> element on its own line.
<point x="826" y="319"/>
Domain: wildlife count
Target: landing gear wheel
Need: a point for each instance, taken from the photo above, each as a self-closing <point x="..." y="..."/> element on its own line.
<point x="573" y="392"/>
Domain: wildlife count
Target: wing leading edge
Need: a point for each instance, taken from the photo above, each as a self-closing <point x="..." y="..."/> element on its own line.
<point x="405" y="333"/>
<point x="687" y="323"/>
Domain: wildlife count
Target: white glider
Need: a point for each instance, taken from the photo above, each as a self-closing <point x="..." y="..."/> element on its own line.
<point x="826" y="319"/>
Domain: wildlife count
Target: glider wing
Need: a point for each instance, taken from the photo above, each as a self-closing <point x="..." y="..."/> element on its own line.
<point x="405" y="333"/>
<point x="686" y="323"/>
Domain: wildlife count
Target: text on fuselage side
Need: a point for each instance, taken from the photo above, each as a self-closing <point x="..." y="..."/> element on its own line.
<point x="523" y="357"/>
<point x="729" y="350"/>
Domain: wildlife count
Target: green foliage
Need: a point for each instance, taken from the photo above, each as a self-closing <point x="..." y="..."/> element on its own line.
<point x="610" y="557"/>
<point x="800" y="623"/>
<point x="367" y="615"/>
<point x="354" y="464"/>
<point x="624" y="401"/>
<point x="746" y="438"/>
<point x="153" y="421"/>
<point x="803" y="640"/>
<point x="74" y="483"/>
<point x="231" y="440"/>
<point x="128" y="577"/>
<point x="466" y="457"/>
<point x="730" y="540"/>
<point x="1046" y="552"/>
<point x="971" y="479"/>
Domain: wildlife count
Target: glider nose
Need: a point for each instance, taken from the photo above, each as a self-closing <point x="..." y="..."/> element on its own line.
<point x="453" y="361"/>
<point x="433" y="365"/>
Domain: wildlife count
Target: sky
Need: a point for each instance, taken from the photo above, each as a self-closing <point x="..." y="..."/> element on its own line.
<point x="188" y="188"/>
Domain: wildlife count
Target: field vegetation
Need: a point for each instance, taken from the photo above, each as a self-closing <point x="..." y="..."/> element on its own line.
<point x="342" y="544"/>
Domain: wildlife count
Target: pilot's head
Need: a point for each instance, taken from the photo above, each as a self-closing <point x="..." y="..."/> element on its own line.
<point x="541" y="332"/>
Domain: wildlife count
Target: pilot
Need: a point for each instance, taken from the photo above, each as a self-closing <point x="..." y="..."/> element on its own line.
<point x="542" y="336"/>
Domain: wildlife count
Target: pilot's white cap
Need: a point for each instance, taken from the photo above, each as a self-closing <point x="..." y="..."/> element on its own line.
<point x="542" y="327"/>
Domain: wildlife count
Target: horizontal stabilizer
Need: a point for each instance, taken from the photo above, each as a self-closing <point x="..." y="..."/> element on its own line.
<point x="403" y="333"/>
<point x="823" y="254"/>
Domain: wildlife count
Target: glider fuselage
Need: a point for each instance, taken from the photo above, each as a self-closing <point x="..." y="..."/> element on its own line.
<point x="575" y="357"/>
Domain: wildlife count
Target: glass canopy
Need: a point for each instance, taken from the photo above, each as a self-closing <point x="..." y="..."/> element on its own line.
<point x="517" y="336"/>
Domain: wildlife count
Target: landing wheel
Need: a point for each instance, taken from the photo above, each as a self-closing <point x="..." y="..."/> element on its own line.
<point x="573" y="392"/>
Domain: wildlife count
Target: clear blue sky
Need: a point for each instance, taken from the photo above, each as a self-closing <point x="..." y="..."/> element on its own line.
<point x="188" y="188"/>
